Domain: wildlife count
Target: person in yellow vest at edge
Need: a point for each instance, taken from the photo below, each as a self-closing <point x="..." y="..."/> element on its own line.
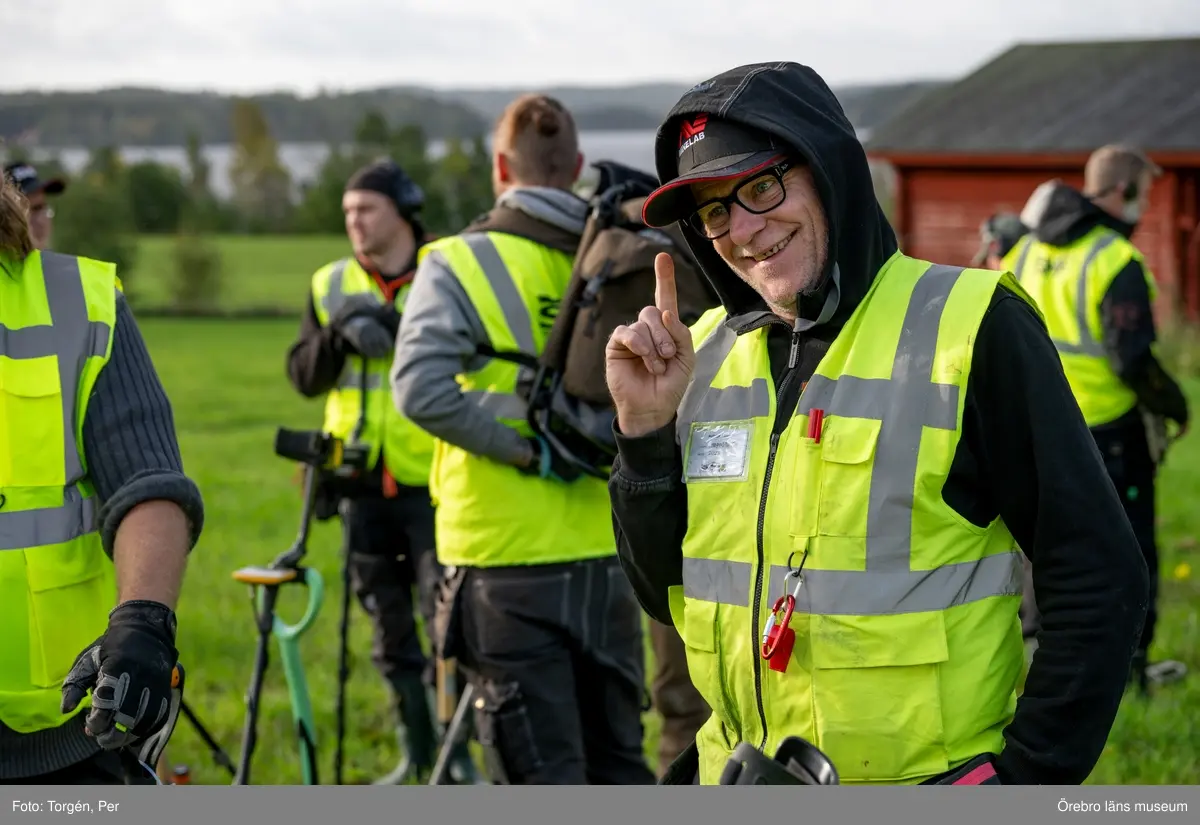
<point x="97" y="520"/>
<point x="1097" y="294"/>
<point x="856" y="444"/>
<point x="353" y="312"/>
<point x="539" y="616"/>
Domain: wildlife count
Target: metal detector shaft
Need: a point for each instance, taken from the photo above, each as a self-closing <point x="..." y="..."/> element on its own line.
<point x="343" y="654"/>
<point x="451" y="737"/>
<point x="264" y="619"/>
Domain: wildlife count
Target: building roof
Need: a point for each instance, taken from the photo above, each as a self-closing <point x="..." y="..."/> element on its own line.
<point x="1059" y="97"/>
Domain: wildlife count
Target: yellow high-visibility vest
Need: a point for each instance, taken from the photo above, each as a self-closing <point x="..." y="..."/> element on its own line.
<point x="1068" y="283"/>
<point x="407" y="449"/>
<point x="57" y="585"/>
<point x="908" y="647"/>
<point x="490" y="514"/>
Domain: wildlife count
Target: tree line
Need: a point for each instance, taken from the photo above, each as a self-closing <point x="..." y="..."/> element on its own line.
<point x="109" y="203"/>
<point x="157" y="117"/>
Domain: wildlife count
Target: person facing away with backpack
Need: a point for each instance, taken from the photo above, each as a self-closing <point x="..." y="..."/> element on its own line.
<point x="536" y="609"/>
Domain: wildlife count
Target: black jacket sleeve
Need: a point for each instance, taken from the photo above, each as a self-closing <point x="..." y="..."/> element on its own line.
<point x="1041" y="465"/>
<point x="649" y="505"/>
<point x="129" y="437"/>
<point x="315" y="360"/>
<point x="1127" y="319"/>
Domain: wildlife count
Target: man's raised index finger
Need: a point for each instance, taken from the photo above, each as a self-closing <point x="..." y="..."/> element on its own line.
<point x="665" y="298"/>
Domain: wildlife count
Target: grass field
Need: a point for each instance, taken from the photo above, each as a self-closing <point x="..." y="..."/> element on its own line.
<point x="230" y="393"/>
<point x="257" y="271"/>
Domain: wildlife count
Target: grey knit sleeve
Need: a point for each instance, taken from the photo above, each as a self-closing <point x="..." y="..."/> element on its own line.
<point x="129" y="436"/>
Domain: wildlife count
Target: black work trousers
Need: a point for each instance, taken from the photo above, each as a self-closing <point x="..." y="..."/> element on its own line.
<point x="119" y="767"/>
<point x="1126" y="453"/>
<point x="556" y="653"/>
<point x="391" y="553"/>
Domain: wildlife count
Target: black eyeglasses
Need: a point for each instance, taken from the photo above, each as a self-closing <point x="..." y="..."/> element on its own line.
<point x="758" y="194"/>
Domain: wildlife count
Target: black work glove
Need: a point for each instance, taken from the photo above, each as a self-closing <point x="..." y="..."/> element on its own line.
<point x="367" y="336"/>
<point x="128" y="670"/>
<point x="390" y="318"/>
<point x="547" y="463"/>
<point x="354" y="306"/>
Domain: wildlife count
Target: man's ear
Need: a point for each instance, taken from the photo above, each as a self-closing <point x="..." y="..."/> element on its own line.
<point x="502" y="169"/>
<point x="578" y="165"/>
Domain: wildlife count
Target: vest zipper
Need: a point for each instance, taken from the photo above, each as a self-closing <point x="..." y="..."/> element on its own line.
<point x="781" y="417"/>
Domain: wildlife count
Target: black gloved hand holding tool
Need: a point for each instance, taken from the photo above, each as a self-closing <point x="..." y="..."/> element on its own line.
<point x="367" y="336"/>
<point x="128" y="671"/>
<point x="363" y="323"/>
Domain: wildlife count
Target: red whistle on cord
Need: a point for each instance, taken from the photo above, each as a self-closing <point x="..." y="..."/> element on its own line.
<point x="816" y="418"/>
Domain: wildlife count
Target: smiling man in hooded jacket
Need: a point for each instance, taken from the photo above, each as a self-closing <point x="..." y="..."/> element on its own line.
<point x="824" y="483"/>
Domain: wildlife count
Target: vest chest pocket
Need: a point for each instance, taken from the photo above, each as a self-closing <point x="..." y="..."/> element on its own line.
<point x="847" y="459"/>
<point x="70" y="594"/>
<point x="877" y="696"/>
<point x="31" y="423"/>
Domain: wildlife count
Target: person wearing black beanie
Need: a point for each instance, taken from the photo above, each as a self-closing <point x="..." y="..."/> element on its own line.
<point x="344" y="352"/>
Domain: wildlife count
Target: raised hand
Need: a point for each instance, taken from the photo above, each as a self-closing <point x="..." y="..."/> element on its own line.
<point x="648" y="363"/>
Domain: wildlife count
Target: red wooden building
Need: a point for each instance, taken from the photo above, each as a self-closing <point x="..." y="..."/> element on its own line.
<point x="982" y="144"/>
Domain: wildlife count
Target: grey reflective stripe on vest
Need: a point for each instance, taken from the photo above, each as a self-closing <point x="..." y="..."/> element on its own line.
<point x="1088" y="345"/>
<point x="22" y="529"/>
<point x="72" y="339"/>
<point x="516" y="314"/>
<point x="904" y="404"/>
<point x="855" y="593"/>
<point x="701" y="402"/>
<point x="1026" y="244"/>
<point x="351" y="377"/>
<point x="335" y="297"/>
<point x="516" y="317"/>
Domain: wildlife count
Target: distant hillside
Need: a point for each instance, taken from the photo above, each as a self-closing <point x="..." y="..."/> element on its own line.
<point x="650" y="100"/>
<point x="154" y="117"/>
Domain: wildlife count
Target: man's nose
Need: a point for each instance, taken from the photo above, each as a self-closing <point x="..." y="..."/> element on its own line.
<point x="743" y="224"/>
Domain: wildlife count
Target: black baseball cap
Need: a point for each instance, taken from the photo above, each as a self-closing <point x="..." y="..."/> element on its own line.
<point x="25" y="176"/>
<point x="710" y="149"/>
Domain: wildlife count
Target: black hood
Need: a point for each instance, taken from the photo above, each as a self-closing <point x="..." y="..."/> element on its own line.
<point x="791" y="101"/>
<point x="1066" y="215"/>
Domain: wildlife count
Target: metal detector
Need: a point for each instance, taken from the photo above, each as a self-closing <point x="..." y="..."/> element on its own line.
<point x="316" y="451"/>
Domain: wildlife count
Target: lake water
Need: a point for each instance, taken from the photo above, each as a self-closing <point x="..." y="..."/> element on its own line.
<point x="304" y="160"/>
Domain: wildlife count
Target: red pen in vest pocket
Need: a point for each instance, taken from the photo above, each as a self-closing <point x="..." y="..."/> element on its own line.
<point x="815" y="419"/>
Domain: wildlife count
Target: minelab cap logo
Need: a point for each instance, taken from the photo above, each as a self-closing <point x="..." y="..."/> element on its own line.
<point x="691" y="133"/>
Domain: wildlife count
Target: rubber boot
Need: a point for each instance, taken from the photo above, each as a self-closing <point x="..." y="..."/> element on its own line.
<point x="415" y="734"/>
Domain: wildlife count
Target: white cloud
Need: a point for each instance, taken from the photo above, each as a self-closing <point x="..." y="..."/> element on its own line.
<point x="302" y="45"/>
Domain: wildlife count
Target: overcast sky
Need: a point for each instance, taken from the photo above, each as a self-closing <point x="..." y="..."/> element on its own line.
<point x="303" y="45"/>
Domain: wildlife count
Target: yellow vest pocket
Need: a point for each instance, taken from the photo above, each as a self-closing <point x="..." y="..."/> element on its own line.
<point x="877" y="696"/>
<point x="61" y="579"/>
